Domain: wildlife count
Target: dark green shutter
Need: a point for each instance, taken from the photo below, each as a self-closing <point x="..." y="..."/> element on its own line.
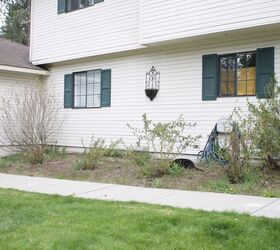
<point x="106" y="88"/>
<point x="209" y="77"/>
<point x="61" y="6"/>
<point x="98" y="1"/>
<point x="68" y="91"/>
<point x="265" y="70"/>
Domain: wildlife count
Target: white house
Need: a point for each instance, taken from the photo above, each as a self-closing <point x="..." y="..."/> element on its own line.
<point x="16" y="72"/>
<point x="212" y="55"/>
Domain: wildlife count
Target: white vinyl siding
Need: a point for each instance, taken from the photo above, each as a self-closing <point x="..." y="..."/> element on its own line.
<point x="106" y="27"/>
<point x="124" y="25"/>
<point x="180" y="90"/>
<point x="174" y="19"/>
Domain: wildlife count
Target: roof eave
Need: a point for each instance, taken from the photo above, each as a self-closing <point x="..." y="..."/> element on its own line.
<point x="24" y="70"/>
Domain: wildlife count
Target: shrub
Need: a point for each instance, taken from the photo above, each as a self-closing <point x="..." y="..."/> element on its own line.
<point x="53" y="153"/>
<point x="28" y="119"/>
<point x="260" y="127"/>
<point x="114" y="149"/>
<point x="176" y="169"/>
<point x="91" y="156"/>
<point x="166" y="140"/>
<point x="34" y="156"/>
<point x="42" y="154"/>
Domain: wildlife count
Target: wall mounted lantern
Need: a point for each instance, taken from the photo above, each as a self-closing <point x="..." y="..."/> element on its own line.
<point x="152" y="83"/>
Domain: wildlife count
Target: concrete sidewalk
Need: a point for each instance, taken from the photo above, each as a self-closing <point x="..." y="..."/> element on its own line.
<point x="256" y="206"/>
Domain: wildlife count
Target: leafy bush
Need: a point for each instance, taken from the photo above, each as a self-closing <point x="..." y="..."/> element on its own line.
<point x="144" y="163"/>
<point x="53" y="153"/>
<point x="114" y="149"/>
<point x="176" y="169"/>
<point x="166" y="140"/>
<point x="260" y="127"/>
<point x="91" y="156"/>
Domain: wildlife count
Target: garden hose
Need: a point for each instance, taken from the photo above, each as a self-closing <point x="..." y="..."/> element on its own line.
<point x="212" y="151"/>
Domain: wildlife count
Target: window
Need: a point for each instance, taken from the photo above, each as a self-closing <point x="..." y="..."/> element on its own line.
<point x="70" y="5"/>
<point x="78" y="4"/>
<point x="87" y="89"/>
<point x="237" y="74"/>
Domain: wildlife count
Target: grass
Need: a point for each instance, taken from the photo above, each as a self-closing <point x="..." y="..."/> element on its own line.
<point x="8" y="161"/>
<point x="249" y="186"/>
<point x="33" y="221"/>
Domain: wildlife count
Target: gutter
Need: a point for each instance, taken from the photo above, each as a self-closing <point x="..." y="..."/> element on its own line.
<point x="41" y="72"/>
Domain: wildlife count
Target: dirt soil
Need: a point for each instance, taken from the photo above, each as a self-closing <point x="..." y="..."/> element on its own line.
<point x="121" y="171"/>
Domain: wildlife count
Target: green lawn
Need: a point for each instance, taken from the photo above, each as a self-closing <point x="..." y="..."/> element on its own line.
<point x="33" y="221"/>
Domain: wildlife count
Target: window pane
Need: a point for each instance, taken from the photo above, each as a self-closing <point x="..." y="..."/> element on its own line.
<point x="73" y="5"/>
<point x="241" y="88"/>
<point x="83" y="89"/>
<point x="97" y="76"/>
<point x="90" y="101"/>
<point x="231" y="88"/>
<point x="251" y="73"/>
<point x="246" y="74"/>
<point x="83" y="101"/>
<point x="231" y="68"/>
<point x="251" y="87"/>
<point x="97" y="82"/>
<point x="77" y="89"/>
<point x="97" y="89"/>
<point x="227" y="75"/>
<point x="251" y="59"/>
<point x="90" y="77"/>
<point x="77" y="102"/>
<point x="97" y="101"/>
<point x="78" y="4"/>
<point x="223" y="88"/>
<point x="90" y="89"/>
<point x="85" y="3"/>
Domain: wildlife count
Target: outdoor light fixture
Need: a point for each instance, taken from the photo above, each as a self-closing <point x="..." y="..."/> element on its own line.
<point x="152" y="83"/>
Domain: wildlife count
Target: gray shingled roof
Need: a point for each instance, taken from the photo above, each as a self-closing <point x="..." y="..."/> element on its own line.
<point x="15" y="55"/>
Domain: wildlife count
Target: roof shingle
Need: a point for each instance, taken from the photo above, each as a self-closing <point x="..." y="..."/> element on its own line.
<point x="15" y="55"/>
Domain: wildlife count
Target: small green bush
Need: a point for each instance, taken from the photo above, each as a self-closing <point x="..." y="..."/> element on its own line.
<point x="91" y="156"/>
<point x="53" y="153"/>
<point x="175" y="169"/>
<point x="113" y="150"/>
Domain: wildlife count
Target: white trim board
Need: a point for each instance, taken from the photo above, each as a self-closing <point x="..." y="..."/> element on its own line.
<point x="24" y="70"/>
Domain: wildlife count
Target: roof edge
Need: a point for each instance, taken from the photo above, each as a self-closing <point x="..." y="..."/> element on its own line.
<point x="24" y="70"/>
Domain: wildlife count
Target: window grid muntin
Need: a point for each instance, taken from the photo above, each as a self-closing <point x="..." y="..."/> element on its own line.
<point x="94" y="101"/>
<point x="236" y="77"/>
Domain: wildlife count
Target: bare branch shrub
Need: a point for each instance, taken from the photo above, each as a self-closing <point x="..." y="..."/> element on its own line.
<point x="28" y="118"/>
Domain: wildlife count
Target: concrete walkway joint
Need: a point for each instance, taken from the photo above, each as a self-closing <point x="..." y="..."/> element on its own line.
<point x="253" y="205"/>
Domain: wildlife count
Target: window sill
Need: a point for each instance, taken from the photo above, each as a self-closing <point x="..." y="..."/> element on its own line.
<point x="236" y="96"/>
